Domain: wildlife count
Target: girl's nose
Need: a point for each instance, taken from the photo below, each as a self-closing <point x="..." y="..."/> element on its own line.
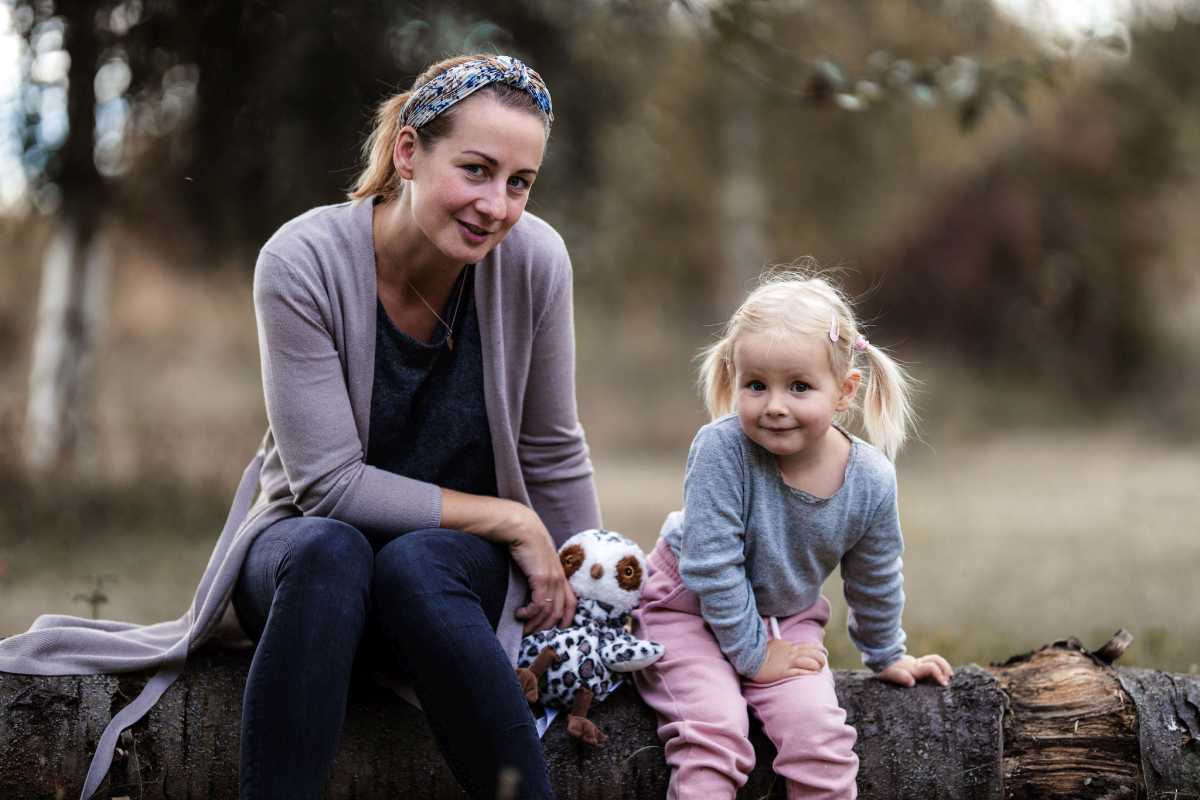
<point x="775" y="405"/>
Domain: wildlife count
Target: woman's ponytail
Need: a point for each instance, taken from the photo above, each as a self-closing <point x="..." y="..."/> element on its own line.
<point x="379" y="175"/>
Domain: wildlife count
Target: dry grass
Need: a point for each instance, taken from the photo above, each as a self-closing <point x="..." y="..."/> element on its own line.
<point x="1015" y="541"/>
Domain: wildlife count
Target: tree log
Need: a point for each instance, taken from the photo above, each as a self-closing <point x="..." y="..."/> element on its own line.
<point x="1056" y="723"/>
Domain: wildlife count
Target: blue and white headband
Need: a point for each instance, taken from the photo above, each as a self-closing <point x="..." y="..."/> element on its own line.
<point x="460" y="82"/>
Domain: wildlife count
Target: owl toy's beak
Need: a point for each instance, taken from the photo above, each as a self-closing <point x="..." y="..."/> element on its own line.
<point x="597" y="572"/>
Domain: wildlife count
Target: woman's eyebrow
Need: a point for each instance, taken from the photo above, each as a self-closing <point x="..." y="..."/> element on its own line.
<point x="494" y="163"/>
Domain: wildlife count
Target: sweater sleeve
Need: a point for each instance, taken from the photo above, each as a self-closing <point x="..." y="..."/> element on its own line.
<point x="551" y="447"/>
<point x="712" y="559"/>
<point x="310" y="415"/>
<point x="874" y="587"/>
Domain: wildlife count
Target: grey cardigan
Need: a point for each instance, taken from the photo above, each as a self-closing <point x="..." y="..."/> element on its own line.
<point x="315" y="301"/>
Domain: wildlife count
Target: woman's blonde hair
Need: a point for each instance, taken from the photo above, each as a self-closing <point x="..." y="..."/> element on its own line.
<point x="802" y="301"/>
<point x="379" y="173"/>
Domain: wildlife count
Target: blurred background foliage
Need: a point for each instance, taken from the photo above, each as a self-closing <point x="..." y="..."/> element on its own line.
<point x="1015" y="210"/>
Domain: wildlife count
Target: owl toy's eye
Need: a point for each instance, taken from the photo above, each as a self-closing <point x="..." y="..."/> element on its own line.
<point x="629" y="573"/>
<point x="571" y="559"/>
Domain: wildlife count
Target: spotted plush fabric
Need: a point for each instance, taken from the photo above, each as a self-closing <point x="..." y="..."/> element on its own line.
<point x="590" y="654"/>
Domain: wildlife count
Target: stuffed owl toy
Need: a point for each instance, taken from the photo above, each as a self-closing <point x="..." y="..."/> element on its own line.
<point x="569" y="668"/>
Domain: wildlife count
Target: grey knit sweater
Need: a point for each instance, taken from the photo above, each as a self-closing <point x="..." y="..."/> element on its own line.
<point x="751" y="546"/>
<point x="315" y="300"/>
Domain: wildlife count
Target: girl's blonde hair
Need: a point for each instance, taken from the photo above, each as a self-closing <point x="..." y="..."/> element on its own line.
<point x="379" y="173"/>
<point x="801" y="301"/>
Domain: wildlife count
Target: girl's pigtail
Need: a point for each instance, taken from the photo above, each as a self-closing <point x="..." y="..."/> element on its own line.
<point x="716" y="377"/>
<point x="887" y="409"/>
<point x="379" y="174"/>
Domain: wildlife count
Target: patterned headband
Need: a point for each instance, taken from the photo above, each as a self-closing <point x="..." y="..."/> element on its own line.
<point x="459" y="82"/>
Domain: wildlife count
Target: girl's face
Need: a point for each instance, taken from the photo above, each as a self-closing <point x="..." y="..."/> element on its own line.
<point x="786" y="393"/>
<point x="468" y="189"/>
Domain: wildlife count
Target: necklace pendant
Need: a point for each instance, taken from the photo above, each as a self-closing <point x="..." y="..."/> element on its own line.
<point x="449" y="342"/>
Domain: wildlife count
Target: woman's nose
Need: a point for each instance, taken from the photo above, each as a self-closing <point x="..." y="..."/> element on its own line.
<point x="492" y="202"/>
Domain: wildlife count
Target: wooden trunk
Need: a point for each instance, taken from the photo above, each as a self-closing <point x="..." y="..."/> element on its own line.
<point x="1057" y="723"/>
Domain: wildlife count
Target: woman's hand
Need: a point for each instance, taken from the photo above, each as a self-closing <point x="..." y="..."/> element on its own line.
<point x="552" y="601"/>
<point x="908" y="670"/>
<point x="789" y="660"/>
<point x="519" y="527"/>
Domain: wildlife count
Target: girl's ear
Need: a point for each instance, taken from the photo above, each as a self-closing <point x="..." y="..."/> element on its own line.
<point x="404" y="151"/>
<point x="849" y="389"/>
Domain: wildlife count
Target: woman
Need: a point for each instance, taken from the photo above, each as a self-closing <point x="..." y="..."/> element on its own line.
<point x="417" y="354"/>
<point x="423" y="453"/>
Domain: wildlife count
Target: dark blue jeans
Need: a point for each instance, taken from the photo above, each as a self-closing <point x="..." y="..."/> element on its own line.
<point x="314" y="593"/>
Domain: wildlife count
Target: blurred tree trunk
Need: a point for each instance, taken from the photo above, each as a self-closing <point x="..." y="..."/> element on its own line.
<point x="741" y="189"/>
<point x="73" y="297"/>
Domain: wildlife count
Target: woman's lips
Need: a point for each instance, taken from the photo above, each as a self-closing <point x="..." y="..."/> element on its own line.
<point x="473" y="232"/>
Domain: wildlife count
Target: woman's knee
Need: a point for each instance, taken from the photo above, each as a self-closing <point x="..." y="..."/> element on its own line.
<point x="436" y="561"/>
<point x="324" y="551"/>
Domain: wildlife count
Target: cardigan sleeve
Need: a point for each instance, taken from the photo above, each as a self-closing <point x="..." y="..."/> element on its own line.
<point x="310" y="415"/>
<point x="551" y="446"/>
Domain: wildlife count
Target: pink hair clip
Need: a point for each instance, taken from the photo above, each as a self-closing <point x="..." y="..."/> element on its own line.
<point x="860" y="344"/>
<point x="833" y="329"/>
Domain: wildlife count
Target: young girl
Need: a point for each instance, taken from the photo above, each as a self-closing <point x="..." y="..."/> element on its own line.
<point x="776" y="495"/>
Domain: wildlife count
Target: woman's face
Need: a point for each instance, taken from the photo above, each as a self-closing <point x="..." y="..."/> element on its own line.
<point x="468" y="189"/>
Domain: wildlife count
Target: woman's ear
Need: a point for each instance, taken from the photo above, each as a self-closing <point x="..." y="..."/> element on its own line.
<point x="849" y="389"/>
<point x="404" y="151"/>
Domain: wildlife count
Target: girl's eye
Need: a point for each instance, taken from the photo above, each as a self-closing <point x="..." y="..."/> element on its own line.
<point x="799" y="386"/>
<point x="756" y="386"/>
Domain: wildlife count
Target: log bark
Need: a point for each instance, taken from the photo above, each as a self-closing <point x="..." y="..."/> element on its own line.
<point x="1059" y="722"/>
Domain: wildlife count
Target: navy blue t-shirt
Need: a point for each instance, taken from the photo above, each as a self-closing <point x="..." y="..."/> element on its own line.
<point x="428" y="418"/>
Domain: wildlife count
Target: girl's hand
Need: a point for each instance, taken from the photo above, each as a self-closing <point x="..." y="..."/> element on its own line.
<point x="789" y="660"/>
<point x="552" y="601"/>
<point x="908" y="670"/>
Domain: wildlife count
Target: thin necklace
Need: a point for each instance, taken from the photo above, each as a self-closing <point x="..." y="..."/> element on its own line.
<point x="462" y="285"/>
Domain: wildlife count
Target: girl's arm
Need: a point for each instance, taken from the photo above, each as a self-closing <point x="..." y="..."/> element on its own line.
<point x="875" y="595"/>
<point x="874" y="587"/>
<point x="712" y="559"/>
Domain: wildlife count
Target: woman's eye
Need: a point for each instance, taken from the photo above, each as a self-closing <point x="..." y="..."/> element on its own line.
<point x="518" y="183"/>
<point x="799" y="386"/>
<point x="474" y="170"/>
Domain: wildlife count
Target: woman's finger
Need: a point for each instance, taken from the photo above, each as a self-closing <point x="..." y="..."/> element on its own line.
<point x="567" y="616"/>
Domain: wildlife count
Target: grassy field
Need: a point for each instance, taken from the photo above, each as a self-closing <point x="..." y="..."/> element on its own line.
<point x="1028" y="516"/>
<point x="1012" y="541"/>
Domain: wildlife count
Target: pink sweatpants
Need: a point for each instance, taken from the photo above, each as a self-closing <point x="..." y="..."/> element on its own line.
<point x="701" y="701"/>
